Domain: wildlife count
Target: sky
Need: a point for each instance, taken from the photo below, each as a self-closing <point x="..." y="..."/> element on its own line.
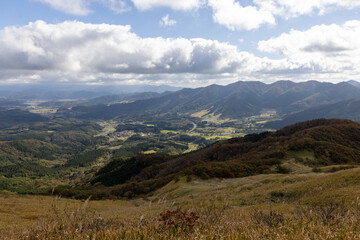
<point x="187" y="43"/>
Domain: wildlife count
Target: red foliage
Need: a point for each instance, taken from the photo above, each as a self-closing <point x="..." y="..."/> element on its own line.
<point x="178" y="218"/>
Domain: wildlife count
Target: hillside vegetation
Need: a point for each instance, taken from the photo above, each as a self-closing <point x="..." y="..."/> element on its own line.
<point x="36" y="155"/>
<point x="300" y="182"/>
<point x="9" y="118"/>
<point x="312" y="145"/>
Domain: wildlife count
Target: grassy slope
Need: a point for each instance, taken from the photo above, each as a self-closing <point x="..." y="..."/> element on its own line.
<point x="226" y="208"/>
<point x="267" y="188"/>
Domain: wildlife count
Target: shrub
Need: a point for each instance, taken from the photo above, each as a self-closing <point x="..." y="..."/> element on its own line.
<point x="316" y="170"/>
<point x="179" y="219"/>
<point x="282" y="169"/>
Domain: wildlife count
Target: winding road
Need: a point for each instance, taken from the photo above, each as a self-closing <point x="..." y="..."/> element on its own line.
<point x="194" y="127"/>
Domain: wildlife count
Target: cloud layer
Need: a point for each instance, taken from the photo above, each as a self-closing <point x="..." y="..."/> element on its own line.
<point x="83" y="7"/>
<point x="75" y="47"/>
<point x="235" y="16"/>
<point x="76" y="51"/>
<point x="326" y="48"/>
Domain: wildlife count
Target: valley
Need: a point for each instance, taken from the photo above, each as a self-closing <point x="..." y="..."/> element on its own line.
<point x="179" y="120"/>
<point x="238" y="152"/>
<point x="58" y="144"/>
<point x="71" y="147"/>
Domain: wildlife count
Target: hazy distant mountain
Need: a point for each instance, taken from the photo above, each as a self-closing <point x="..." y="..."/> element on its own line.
<point x="354" y="83"/>
<point x="143" y="88"/>
<point x="58" y="92"/>
<point x="105" y="100"/>
<point x="37" y="94"/>
<point x="235" y="100"/>
<point x="349" y="109"/>
<point x="116" y="98"/>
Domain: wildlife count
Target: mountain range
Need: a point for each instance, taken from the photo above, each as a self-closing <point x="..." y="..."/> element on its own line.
<point x="240" y="99"/>
<point x="76" y="92"/>
<point x="348" y="109"/>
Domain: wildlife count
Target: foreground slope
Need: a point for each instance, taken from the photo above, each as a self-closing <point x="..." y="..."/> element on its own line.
<point x="277" y="206"/>
<point x="318" y="199"/>
<point x="314" y="143"/>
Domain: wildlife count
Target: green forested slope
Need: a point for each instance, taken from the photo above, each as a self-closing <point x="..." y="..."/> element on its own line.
<point x="313" y="143"/>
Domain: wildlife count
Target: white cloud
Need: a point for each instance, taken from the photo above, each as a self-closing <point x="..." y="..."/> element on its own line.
<point x="95" y="53"/>
<point x="234" y="15"/>
<point x="75" y="49"/>
<point x="295" y="8"/>
<point x="324" y="48"/>
<point x="185" y="5"/>
<point x="166" y="21"/>
<point x="82" y="7"/>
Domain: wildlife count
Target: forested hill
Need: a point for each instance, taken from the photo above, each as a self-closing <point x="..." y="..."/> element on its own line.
<point x="9" y="118"/>
<point x="313" y="143"/>
<point x="235" y="100"/>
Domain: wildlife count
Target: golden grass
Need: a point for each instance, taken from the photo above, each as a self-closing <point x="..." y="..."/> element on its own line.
<point x="169" y="131"/>
<point x="200" y="113"/>
<point x="192" y="147"/>
<point x="149" y="151"/>
<point x="293" y="206"/>
<point x="43" y="110"/>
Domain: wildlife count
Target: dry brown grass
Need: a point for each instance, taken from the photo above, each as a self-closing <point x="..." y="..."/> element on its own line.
<point x="231" y="224"/>
<point x="297" y="206"/>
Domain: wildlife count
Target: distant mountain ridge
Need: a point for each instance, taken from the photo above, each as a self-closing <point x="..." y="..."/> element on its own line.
<point x="105" y="99"/>
<point x="348" y="109"/>
<point x="76" y="91"/>
<point x="235" y="100"/>
<point x="354" y="83"/>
